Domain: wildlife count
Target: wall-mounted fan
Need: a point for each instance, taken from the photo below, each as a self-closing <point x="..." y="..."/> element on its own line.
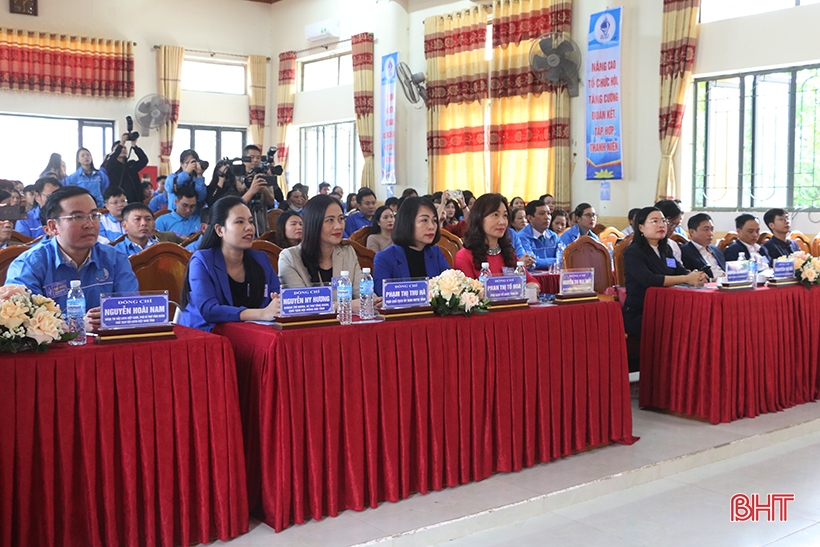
<point x="412" y="84"/>
<point x="152" y="111"/>
<point x="554" y="58"/>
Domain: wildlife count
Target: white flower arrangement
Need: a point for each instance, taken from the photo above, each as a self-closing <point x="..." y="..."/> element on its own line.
<point x="453" y="293"/>
<point x="806" y="268"/>
<point x="29" y="321"/>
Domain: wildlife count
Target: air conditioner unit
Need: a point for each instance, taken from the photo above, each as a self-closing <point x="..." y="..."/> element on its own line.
<point x="323" y="30"/>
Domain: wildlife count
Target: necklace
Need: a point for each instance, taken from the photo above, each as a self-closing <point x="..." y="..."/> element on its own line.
<point x="494" y="251"/>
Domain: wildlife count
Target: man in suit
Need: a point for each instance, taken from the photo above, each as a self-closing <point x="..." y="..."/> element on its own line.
<point x="779" y="245"/>
<point x="748" y="231"/>
<point x="700" y="252"/>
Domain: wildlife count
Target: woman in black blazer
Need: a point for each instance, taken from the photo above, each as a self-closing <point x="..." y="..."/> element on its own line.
<point x="648" y="262"/>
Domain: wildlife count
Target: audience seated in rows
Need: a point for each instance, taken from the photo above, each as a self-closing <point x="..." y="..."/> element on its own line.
<point x="381" y="229"/>
<point x="366" y="200"/>
<point x="585" y="216"/>
<point x="536" y="239"/>
<point x="183" y="220"/>
<point x="73" y="253"/>
<point x="519" y="219"/>
<point x="138" y="223"/>
<point x="630" y="217"/>
<point x="560" y="221"/>
<point x="111" y="222"/>
<point x="160" y="200"/>
<point x="289" y="229"/>
<point x="32" y="226"/>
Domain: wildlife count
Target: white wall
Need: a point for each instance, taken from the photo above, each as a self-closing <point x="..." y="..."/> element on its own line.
<point x="223" y="26"/>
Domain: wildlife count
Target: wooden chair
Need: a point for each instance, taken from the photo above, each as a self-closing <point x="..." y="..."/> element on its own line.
<point x="803" y="241"/>
<point x="585" y="252"/>
<point x="679" y="239"/>
<point x="815" y="246"/>
<point x="118" y="240"/>
<point x="273" y="216"/>
<point x="610" y="235"/>
<point x="20" y="238"/>
<point x="453" y="239"/>
<point x="191" y="238"/>
<point x="727" y="240"/>
<point x="449" y="245"/>
<point x="448" y="256"/>
<point x="598" y="229"/>
<point x="7" y="256"/>
<point x="269" y="249"/>
<point x="270" y="235"/>
<point x="366" y="256"/>
<point x="162" y="267"/>
<point x="161" y="212"/>
<point x="620" y="277"/>
<point x="102" y="211"/>
<point x="360" y="235"/>
<point x="764" y="237"/>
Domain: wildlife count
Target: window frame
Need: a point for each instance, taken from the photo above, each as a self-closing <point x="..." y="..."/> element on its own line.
<point x="338" y="56"/>
<point x="356" y="167"/>
<point x="791" y="147"/>
<point x="212" y="61"/>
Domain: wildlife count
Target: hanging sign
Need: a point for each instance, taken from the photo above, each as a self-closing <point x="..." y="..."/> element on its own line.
<point x="388" y="125"/>
<point x="603" y="96"/>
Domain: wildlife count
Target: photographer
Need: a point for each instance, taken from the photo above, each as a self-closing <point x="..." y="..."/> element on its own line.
<point x="189" y="174"/>
<point x="225" y="183"/>
<point x="252" y="158"/>
<point x="123" y="172"/>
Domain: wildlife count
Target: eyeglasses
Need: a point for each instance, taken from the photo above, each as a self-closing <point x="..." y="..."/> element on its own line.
<point x="93" y="217"/>
<point x="656" y="222"/>
<point x="590" y="215"/>
<point x="118" y="202"/>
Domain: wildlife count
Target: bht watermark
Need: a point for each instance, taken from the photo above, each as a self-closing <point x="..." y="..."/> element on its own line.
<point x="775" y="507"/>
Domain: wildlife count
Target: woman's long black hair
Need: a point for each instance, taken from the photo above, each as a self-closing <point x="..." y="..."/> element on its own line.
<point x="313" y="217"/>
<point x="474" y="238"/>
<point x="639" y="239"/>
<point x="254" y="274"/>
<point x="77" y="159"/>
<point x="404" y="230"/>
<point x="375" y="227"/>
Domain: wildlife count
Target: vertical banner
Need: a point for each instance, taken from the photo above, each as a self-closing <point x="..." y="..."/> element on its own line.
<point x="388" y="125"/>
<point x="603" y="105"/>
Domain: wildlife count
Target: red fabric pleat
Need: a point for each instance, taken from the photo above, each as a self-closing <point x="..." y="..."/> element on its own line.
<point x="706" y="354"/>
<point x="128" y="445"/>
<point x="346" y="417"/>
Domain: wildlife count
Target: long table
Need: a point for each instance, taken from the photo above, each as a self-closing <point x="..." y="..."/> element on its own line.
<point x="345" y="417"/>
<point x="722" y="356"/>
<point x="128" y="444"/>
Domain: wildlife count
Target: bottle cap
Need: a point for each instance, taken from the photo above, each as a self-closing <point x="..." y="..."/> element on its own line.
<point x="519" y="263"/>
<point x="365" y="270"/>
<point x="485" y="265"/>
<point x="75" y="283"/>
<point x="345" y="273"/>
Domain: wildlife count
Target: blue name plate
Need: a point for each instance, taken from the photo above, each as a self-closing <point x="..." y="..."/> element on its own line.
<point x="784" y="269"/>
<point x="504" y="287"/>
<point x="307" y="301"/>
<point x="404" y="294"/>
<point x="738" y="271"/>
<point x="118" y="312"/>
<point x="581" y="282"/>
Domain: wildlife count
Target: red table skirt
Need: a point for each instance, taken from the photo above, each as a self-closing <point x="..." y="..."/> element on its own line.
<point x="726" y="356"/>
<point x="122" y="445"/>
<point x="549" y="283"/>
<point x="343" y="417"/>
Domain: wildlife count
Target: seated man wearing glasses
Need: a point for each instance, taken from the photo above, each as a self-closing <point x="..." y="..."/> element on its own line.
<point x="585" y="217"/>
<point x="73" y="253"/>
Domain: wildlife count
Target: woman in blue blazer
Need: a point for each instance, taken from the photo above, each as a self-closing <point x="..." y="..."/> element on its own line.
<point x="227" y="281"/>
<point x="414" y="252"/>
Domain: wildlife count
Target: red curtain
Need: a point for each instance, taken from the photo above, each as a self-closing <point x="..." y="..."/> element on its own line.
<point x="70" y="65"/>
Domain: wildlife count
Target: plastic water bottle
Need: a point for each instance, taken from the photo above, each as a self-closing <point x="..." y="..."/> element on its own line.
<point x="521" y="272"/>
<point x="559" y="258"/>
<point x="485" y="273"/>
<point x="75" y="312"/>
<point x="366" y="310"/>
<point x="344" y="299"/>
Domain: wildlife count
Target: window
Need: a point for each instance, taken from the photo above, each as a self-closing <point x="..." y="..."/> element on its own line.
<point x="27" y="142"/>
<point x="757" y="140"/>
<point x="213" y="77"/>
<point x="330" y="153"/>
<point x="211" y="143"/>
<point x="717" y="10"/>
<point x="327" y="72"/>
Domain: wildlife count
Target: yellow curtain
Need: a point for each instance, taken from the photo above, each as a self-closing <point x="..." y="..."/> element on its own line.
<point x="70" y="65"/>
<point x="457" y="80"/>
<point x="169" y="73"/>
<point x="286" y="95"/>
<point x="362" y="46"/>
<point x="529" y="120"/>
<point x="678" y="42"/>
<point x="257" y="90"/>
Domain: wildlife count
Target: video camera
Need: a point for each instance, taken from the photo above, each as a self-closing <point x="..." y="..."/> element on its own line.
<point x="238" y="168"/>
<point x="129" y="123"/>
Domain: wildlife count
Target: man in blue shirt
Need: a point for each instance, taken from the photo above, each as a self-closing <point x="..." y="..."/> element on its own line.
<point x="138" y="222"/>
<point x="160" y="199"/>
<point x="73" y="253"/>
<point x="364" y="217"/>
<point x="536" y="239"/>
<point x="182" y="221"/>
<point x="189" y="175"/>
<point x="43" y="188"/>
<point x="111" y="222"/>
<point x="585" y="218"/>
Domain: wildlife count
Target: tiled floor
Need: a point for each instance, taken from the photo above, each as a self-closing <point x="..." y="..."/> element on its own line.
<point x="616" y="495"/>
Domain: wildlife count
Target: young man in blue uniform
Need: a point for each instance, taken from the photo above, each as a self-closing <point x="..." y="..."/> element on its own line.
<point x="184" y="220"/>
<point x="73" y="253"/>
<point x="32" y="226"/>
